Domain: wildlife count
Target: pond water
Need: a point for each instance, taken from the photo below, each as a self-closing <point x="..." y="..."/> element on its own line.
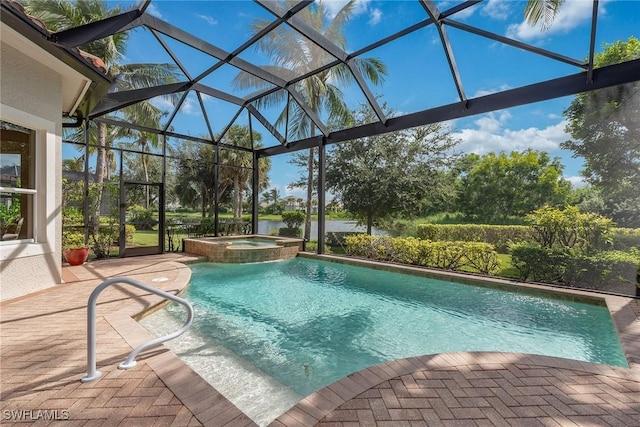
<point x="268" y="227"/>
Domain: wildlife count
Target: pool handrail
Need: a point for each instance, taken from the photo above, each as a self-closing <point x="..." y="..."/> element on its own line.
<point x="92" y="373"/>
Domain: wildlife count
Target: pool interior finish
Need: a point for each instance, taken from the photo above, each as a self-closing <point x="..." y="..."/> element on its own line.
<point x="295" y="326"/>
<point x="255" y="242"/>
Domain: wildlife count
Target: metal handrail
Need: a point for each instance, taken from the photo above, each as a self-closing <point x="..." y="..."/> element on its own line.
<point x="92" y="373"/>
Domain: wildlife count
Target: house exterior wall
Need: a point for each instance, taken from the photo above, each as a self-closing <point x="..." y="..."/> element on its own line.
<point x="31" y="96"/>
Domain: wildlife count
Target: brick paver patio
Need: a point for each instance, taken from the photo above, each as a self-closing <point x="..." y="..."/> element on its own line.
<point x="43" y="351"/>
<point x="43" y="357"/>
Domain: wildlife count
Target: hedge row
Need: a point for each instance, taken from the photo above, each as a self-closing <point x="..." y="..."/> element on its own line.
<point x="502" y="236"/>
<point x="606" y="270"/>
<point x="470" y="256"/>
<point x="625" y="238"/>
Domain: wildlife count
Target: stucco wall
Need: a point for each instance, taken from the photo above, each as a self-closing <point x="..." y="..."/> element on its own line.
<point x="31" y="97"/>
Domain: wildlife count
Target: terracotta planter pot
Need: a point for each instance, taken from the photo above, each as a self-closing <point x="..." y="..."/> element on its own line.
<point x="76" y="256"/>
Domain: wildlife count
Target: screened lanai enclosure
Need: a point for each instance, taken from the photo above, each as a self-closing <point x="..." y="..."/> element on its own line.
<point x="210" y="93"/>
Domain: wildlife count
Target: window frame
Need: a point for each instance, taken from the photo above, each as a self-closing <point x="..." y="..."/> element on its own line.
<point x="44" y="192"/>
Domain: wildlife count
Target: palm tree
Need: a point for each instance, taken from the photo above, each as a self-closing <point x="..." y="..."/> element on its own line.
<point x="60" y="15"/>
<point x="237" y="165"/>
<point x="292" y="55"/>
<point x="545" y="10"/>
<point x="266" y="197"/>
<point x="275" y="197"/>
<point x="110" y="135"/>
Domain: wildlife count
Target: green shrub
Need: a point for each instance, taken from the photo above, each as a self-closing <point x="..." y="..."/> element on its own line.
<point x="290" y="232"/>
<point x="500" y="236"/>
<point x="358" y="245"/>
<point x="142" y="218"/>
<point x="569" y="228"/>
<point x="72" y="239"/>
<point x="624" y="239"/>
<point x="336" y="238"/>
<point x="103" y="239"/>
<point x="603" y="270"/>
<point x="480" y="257"/>
<point x="293" y="219"/>
<point x="431" y="231"/>
<point x="538" y="263"/>
<point x="208" y="226"/>
<point x="71" y="215"/>
<point x="448" y="255"/>
<point x="312" y="246"/>
<point x="129" y="233"/>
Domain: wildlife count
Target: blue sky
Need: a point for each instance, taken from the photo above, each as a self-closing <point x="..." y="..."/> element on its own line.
<point x="418" y="77"/>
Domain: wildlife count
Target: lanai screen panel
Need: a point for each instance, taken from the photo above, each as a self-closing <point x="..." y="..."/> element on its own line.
<point x="272" y="65"/>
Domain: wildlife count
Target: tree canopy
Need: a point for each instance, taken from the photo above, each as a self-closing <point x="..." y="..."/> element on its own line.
<point x="197" y="172"/>
<point x="605" y="131"/>
<point x="496" y="186"/>
<point x="391" y="174"/>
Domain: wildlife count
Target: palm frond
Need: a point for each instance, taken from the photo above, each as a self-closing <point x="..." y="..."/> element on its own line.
<point x="542" y="12"/>
<point x="336" y="106"/>
<point x="335" y="30"/>
<point x="372" y="68"/>
<point x="275" y="99"/>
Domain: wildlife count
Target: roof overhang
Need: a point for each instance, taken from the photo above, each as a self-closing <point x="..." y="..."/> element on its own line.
<point x="83" y="85"/>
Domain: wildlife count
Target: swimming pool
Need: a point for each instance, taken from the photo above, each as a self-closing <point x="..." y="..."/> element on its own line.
<point x="306" y="323"/>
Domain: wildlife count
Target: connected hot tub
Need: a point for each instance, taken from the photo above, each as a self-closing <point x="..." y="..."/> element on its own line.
<point x="240" y="249"/>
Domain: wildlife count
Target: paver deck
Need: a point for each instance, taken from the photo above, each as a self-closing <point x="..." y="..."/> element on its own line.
<point x="43" y="357"/>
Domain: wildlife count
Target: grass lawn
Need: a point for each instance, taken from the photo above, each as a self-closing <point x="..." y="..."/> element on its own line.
<point x="506" y="267"/>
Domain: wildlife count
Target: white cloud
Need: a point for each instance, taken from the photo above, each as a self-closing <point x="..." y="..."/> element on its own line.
<point x="332" y="7"/>
<point x="576" y="181"/>
<point x="360" y="7"/>
<point x="287" y="191"/>
<point x="375" y="16"/>
<point x="208" y="19"/>
<point x="153" y="10"/>
<point x="484" y="92"/>
<point x="492" y="134"/>
<point x="571" y="14"/>
<point x="464" y="13"/>
<point x="496" y="9"/>
<point x="162" y="103"/>
<point x="493" y="122"/>
<point x="189" y="107"/>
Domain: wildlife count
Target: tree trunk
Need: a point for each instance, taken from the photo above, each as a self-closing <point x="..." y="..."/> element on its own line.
<point x="307" y="221"/>
<point x="145" y="169"/>
<point x="205" y="198"/>
<point x="237" y="207"/>
<point x="369" y="223"/>
<point x="101" y="160"/>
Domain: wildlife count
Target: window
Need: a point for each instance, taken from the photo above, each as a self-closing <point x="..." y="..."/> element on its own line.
<point x="17" y="183"/>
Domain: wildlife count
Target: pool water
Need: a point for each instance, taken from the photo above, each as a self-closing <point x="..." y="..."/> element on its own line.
<point x="253" y="243"/>
<point x="307" y="323"/>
